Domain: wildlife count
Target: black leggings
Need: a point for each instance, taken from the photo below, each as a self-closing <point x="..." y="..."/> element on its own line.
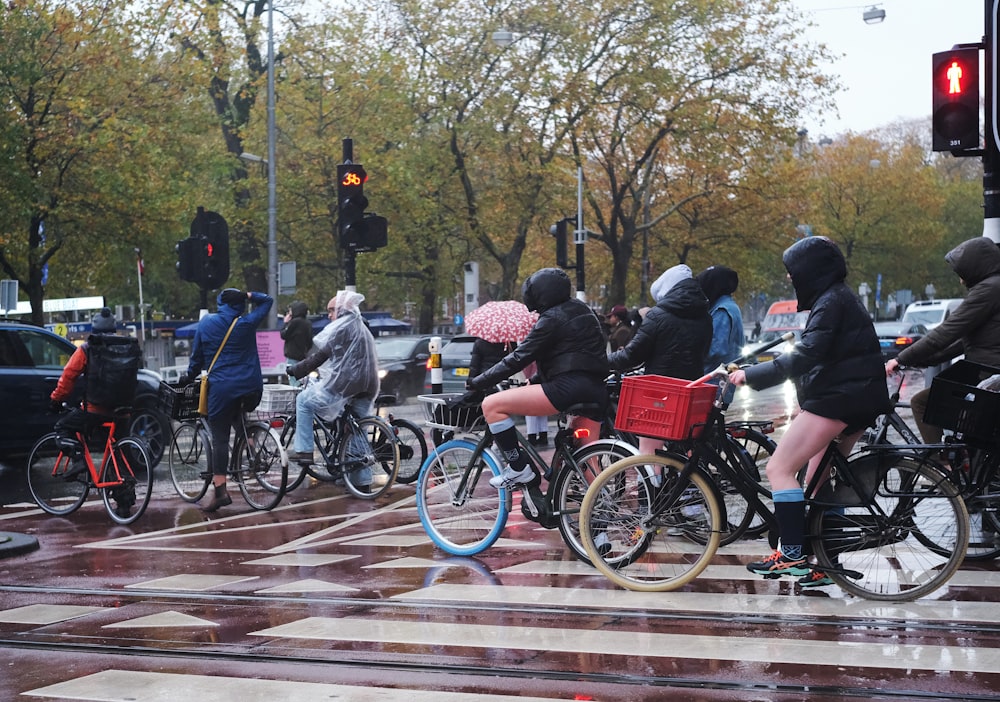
<point x="221" y="423"/>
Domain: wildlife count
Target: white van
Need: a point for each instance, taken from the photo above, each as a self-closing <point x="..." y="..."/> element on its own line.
<point x="930" y="313"/>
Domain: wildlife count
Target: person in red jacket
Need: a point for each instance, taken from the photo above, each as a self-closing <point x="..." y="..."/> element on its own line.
<point x="83" y="418"/>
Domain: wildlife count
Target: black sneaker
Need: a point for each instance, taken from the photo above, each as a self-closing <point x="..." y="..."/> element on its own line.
<point x="777" y="564"/>
<point x="78" y="466"/>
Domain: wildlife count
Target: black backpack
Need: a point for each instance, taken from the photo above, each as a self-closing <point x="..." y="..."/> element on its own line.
<point x="112" y="369"/>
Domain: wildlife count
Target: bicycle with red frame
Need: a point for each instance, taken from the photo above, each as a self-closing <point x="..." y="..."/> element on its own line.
<point x="124" y="474"/>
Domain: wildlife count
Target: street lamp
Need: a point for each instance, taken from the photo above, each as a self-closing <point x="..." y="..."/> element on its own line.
<point x="503" y="37"/>
<point x="873" y="15"/>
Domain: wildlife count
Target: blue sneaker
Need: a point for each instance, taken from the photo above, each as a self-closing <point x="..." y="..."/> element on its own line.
<point x="816" y="578"/>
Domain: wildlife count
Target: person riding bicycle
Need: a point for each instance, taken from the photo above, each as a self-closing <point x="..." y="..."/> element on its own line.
<point x="235" y="383"/>
<point x="973" y="328"/>
<point x="673" y="338"/>
<point x="840" y="381"/>
<point x="110" y="365"/>
<point x="569" y="348"/>
<point x="348" y="375"/>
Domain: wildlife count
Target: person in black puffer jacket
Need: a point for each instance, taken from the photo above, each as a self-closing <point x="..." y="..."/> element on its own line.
<point x="840" y="382"/>
<point x="569" y="348"/>
<point x="674" y="338"/>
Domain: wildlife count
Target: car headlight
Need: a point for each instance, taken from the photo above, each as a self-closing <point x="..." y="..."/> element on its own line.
<point x="382" y="373"/>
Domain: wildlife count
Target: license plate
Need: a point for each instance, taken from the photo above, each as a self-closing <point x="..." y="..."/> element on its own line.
<point x="764" y="357"/>
<point x="885" y="344"/>
<point x="462" y="372"/>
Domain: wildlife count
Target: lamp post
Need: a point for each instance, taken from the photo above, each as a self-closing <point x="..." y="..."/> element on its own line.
<point x="272" y="195"/>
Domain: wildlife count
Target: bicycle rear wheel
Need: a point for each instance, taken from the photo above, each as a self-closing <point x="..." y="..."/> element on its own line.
<point x="907" y="547"/>
<point x="262" y="468"/>
<point x="412" y="450"/>
<point x="571" y="483"/>
<point x="188" y="457"/>
<point x="131" y="464"/>
<point x="457" y="507"/>
<point x="369" y="457"/>
<point x="48" y="482"/>
<point x="639" y="544"/>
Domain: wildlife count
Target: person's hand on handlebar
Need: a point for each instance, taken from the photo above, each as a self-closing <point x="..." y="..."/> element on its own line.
<point x="891" y="366"/>
<point x="738" y="377"/>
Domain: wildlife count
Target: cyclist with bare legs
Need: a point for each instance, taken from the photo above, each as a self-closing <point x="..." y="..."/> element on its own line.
<point x="569" y="348"/>
<point x="840" y="381"/>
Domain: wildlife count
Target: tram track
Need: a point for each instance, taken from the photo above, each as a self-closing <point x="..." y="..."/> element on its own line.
<point x="614" y="680"/>
<point x="611" y="612"/>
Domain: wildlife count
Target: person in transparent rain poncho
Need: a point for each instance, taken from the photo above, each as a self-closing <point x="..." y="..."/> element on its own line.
<point x="344" y="356"/>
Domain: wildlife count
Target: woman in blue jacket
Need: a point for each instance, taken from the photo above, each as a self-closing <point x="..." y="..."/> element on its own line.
<point x="235" y="383"/>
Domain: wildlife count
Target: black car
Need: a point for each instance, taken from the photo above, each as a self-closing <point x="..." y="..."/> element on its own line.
<point x="893" y="337"/>
<point x="402" y="364"/>
<point x="31" y="361"/>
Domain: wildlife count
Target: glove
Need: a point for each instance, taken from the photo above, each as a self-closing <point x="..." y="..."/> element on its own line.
<point x="184" y="380"/>
<point x="475" y="383"/>
<point x="55" y="406"/>
<point x="473" y="398"/>
<point x="293" y="370"/>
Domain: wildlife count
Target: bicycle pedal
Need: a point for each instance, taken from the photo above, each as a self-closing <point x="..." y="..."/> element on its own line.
<point x="771" y="576"/>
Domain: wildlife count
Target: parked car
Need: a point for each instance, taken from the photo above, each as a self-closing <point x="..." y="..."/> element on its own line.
<point x="893" y="337"/>
<point x="31" y="361"/>
<point x="402" y="364"/>
<point x="456" y="357"/>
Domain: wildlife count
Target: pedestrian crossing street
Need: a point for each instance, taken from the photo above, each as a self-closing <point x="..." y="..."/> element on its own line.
<point x="329" y="577"/>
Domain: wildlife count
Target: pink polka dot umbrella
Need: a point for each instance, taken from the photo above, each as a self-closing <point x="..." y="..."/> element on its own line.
<point x="501" y="321"/>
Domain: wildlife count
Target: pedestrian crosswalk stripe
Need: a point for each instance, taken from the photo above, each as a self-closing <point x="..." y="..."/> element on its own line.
<point x="846" y="654"/>
<point x="140" y="686"/>
<point x="724" y="603"/>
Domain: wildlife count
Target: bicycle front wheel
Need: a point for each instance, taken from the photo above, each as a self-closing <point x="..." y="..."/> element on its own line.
<point x="52" y="488"/>
<point x="412" y="450"/>
<point x="188" y="457"/>
<point x="907" y="544"/>
<point x="571" y="483"/>
<point x="262" y="471"/>
<point x="457" y="507"/>
<point x="131" y="466"/>
<point x="369" y="457"/>
<point x="637" y="540"/>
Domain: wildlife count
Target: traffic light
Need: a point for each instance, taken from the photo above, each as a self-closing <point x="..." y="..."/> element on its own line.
<point x="560" y="230"/>
<point x="955" y="89"/>
<point x="351" y="204"/>
<point x="208" y="249"/>
<point x="360" y="231"/>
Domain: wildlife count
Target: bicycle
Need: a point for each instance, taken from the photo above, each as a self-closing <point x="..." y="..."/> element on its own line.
<point x="411" y="440"/>
<point x="257" y="462"/>
<point x="125" y="476"/>
<point x="464" y="515"/>
<point x="347" y="445"/>
<point x="745" y="446"/>
<point x="884" y="525"/>
<point x="975" y="470"/>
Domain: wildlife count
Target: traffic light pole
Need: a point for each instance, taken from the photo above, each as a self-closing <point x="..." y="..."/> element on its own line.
<point x="991" y="153"/>
<point x="350" y="257"/>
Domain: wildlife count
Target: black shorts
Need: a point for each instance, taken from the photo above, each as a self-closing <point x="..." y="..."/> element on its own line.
<point x="568" y="389"/>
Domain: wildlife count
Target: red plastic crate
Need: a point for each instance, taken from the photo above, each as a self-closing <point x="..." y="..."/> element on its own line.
<point x="662" y="407"/>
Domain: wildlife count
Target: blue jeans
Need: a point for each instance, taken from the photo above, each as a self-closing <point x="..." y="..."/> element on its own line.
<point x="316" y="401"/>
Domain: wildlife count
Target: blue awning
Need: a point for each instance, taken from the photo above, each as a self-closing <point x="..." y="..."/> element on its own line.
<point x="186" y="332"/>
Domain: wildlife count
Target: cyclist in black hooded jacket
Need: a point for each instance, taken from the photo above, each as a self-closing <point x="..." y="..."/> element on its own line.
<point x="840" y="382"/>
<point x="569" y="348"/>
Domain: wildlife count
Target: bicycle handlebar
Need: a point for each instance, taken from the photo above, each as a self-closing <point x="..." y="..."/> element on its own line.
<point x="723" y="369"/>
